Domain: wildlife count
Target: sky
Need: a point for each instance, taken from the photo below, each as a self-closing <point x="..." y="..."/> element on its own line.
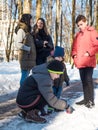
<point x="81" y="119"/>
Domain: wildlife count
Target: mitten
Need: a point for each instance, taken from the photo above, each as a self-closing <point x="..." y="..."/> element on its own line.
<point x="69" y="109"/>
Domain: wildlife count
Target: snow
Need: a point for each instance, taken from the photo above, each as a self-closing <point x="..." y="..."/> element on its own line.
<point x="81" y="119"/>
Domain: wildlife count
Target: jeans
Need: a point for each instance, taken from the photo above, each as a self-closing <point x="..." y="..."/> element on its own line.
<point x="87" y="82"/>
<point x="57" y="91"/>
<point x="24" y="75"/>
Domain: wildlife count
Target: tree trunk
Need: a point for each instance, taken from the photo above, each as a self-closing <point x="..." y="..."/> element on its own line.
<point x="96" y="15"/>
<point x="10" y="34"/>
<point x="87" y="11"/>
<point x="50" y="16"/>
<point x="20" y="8"/>
<point x="73" y="20"/>
<point x="57" y="23"/>
<point x="38" y="8"/>
<point x="27" y="6"/>
<point x="90" y="16"/>
<point x="61" y="29"/>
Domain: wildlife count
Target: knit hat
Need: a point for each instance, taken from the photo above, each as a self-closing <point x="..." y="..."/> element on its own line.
<point x="59" y="51"/>
<point x="56" y="67"/>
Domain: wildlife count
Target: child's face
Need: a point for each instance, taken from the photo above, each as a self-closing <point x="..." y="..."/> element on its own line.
<point x="82" y="25"/>
<point x="54" y="76"/>
<point x="59" y="58"/>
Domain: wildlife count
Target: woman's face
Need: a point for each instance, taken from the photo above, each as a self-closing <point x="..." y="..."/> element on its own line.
<point x="81" y="25"/>
<point x="40" y="24"/>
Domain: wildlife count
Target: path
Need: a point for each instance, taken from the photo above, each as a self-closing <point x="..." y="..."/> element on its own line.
<point x="8" y="106"/>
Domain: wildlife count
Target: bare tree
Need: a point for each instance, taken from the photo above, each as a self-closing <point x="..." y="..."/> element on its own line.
<point x="73" y="17"/>
<point x="90" y="16"/>
<point x="10" y="32"/>
<point x="27" y="6"/>
<point x="73" y="21"/>
<point x="38" y="8"/>
<point x="57" y="23"/>
<point x="96" y="14"/>
<point x="61" y="23"/>
<point x="20" y="8"/>
<point x="50" y="16"/>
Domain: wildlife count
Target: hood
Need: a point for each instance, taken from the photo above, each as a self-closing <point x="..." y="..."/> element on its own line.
<point x="22" y="26"/>
<point x="40" y="69"/>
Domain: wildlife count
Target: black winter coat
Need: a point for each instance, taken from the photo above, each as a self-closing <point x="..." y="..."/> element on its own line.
<point x="43" y="52"/>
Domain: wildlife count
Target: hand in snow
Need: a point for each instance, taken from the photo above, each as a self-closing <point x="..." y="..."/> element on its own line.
<point x="69" y="109"/>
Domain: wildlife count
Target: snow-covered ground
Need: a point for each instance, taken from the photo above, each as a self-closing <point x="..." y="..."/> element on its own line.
<point x="81" y="119"/>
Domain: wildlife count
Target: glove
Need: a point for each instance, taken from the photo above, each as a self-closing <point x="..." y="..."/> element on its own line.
<point x="69" y="109"/>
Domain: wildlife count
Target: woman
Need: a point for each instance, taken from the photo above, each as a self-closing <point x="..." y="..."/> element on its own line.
<point x="26" y="46"/>
<point x="85" y="46"/>
<point x="43" y="41"/>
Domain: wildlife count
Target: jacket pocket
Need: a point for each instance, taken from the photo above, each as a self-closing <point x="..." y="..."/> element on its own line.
<point x="84" y="61"/>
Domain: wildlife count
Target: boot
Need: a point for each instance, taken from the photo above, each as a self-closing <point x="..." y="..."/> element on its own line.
<point x="82" y="102"/>
<point x="22" y="114"/>
<point x="33" y="116"/>
<point x="90" y="104"/>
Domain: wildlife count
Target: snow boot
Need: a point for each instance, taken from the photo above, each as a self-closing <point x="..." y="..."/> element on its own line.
<point x="33" y="116"/>
<point x="90" y="104"/>
<point x="82" y="102"/>
<point x="22" y="114"/>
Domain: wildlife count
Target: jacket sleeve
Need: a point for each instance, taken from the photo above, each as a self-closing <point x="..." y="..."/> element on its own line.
<point x="20" y="36"/>
<point x="50" y="42"/>
<point x="94" y="43"/>
<point x="47" y="92"/>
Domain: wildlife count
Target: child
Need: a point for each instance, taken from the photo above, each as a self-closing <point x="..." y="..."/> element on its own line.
<point x="84" y="48"/>
<point x="57" y="87"/>
<point x="37" y="92"/>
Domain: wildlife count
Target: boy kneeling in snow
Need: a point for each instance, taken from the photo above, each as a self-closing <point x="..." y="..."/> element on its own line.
<point x="36" y="92"/>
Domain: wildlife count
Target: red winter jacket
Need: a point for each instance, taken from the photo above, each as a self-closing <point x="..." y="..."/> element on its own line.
<point x="86" y="41"/>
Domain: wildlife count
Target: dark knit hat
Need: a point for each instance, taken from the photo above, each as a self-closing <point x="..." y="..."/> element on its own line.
<point x="59" y="51"/>
<point x="56" y="67"/>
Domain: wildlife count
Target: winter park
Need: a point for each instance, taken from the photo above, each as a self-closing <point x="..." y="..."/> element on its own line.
<point x="48" y="65"/>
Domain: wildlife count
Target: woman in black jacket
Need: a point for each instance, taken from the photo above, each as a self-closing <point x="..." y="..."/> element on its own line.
<point x="43" y="41"/>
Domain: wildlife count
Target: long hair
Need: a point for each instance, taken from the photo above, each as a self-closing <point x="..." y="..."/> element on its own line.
<point x="36" y="30"/>
<point x="26" y="19"/>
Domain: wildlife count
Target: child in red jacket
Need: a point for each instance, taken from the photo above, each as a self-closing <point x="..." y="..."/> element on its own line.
<point x="84" y="48"/>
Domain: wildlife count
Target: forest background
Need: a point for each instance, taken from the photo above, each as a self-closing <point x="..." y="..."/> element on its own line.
<point x="59" y="15"/>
